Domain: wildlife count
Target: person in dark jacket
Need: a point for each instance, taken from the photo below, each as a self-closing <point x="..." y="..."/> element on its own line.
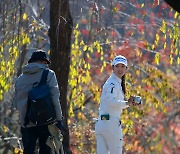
<point x="32" y="73"/>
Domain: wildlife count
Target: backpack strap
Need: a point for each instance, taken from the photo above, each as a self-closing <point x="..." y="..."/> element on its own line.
<point x="44" y="76"/>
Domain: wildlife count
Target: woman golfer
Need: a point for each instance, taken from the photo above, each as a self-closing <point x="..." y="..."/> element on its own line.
<point x="108" y="129"/>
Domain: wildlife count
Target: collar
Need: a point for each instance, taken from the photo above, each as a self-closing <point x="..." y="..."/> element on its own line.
<point x="116" y="78"/>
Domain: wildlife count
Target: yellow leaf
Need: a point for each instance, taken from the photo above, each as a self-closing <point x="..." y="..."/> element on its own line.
<point x="107" y="41"/>
<point x="157" y="37"/>
<point x="81" y="116"/>
<point x="98" y="49"/>
<point x="153" y="47"/>
<point x="171" y="59"/>
<point x="88" y="65"/>
<point x="77" y="48"/>
<point x="49" y="51"/>
<point x="165" y="45"/>
<point x="152" y="147"/>
<point x="171" y="50"/>
<point x="16" y="150"/>
<point x="5" y="129"/>
<point x="138" y="72"/>
<point x="142" y="5"/>
<point x="85" y="48"/>
<point x="157" y="58"/>
<point x="138" y="52"/>
<point x="176" y="52"/>
<point x="102" y="68"/>
<point x="77" y="26"/>
<point x="178" y="60"/>
<point x="82" y="42"/>
<point x="176" y="14"/>
<point x="90" y="49"/>
<point x="34" y="21"/>
<point x="1" y="97"/>
<point x="136" y="115"/>
<point x="163" y="27"/>
<point x="26" y="39"/>
<point x="74" y="63"/>
<point x="104" y="64"/>
<point x="76" y="42"/>
<point x="21" y="151"/>
<point x="1" y="48"/>
<point x="25" y="16"/>
<point x="114" y="9"/>
<point x="69" y="121"/>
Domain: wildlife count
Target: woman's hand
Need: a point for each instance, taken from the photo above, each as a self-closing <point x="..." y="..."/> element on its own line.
<point x="131" y="101"/>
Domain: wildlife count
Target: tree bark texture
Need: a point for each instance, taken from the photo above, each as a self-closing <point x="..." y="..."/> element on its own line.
<point x="61" y="24"/>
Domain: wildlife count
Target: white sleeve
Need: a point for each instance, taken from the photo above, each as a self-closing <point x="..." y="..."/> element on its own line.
<point x="110" y="95"/>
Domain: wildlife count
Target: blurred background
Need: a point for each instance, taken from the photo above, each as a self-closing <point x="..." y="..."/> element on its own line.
<point x="145" y="32"/>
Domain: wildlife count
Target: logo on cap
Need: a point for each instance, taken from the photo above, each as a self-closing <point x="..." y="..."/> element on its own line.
<point x="120" y="60"/>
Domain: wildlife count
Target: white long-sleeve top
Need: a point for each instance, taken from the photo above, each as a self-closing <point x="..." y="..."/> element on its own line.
<point x="112" y="98"/>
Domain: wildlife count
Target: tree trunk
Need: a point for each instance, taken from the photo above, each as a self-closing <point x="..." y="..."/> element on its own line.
<point x="60" y="43"/>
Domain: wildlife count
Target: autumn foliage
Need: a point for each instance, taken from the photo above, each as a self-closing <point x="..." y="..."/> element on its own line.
<point x="146" y="32"/>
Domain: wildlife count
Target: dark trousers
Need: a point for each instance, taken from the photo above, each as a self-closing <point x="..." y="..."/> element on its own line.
<point x="31" y="135"/>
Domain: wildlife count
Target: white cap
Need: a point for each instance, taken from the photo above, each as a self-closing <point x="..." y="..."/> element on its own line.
<point x="120" y="60"/>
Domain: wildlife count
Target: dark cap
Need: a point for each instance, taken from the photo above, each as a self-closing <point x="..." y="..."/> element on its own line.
<point x="39" y="55"/>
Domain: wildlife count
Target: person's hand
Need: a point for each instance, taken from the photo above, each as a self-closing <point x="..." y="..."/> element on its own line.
<point x="59" y="125"/>
<point x="131" y="101"/>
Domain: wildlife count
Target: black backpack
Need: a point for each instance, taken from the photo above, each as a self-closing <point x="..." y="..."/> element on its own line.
<point x="40" y="108"/>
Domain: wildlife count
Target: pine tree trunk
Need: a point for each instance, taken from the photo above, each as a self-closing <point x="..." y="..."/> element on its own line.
<point x="60" y="43"/>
